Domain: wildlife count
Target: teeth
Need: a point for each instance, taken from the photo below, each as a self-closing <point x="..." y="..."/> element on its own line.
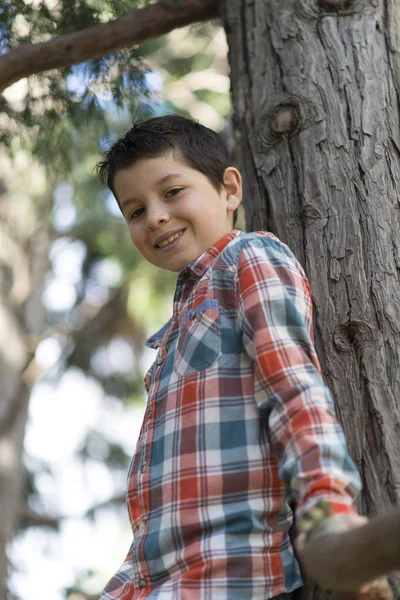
<point x="169" y="240"/>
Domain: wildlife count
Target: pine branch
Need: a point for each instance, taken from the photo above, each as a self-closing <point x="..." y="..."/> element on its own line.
<point x="76" y="47"/>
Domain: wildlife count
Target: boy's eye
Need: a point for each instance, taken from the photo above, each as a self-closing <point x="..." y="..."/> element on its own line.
<point x="135" y="214"/>
<point x="173" y="192"/>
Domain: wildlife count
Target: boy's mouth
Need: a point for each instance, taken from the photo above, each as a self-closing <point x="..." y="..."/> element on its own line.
<point x="164" y="243"/>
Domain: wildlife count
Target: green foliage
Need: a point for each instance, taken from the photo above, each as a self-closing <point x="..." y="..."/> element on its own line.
<point x="220" y="101"/>
<point x="41" y="22"/>
<point x="59" y="105"/>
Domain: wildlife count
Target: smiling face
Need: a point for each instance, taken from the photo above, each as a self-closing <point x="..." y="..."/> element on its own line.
<point x="174" y="213"/>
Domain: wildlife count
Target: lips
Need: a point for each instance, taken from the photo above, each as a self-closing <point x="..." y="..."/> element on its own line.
<point x="167" y="238"/>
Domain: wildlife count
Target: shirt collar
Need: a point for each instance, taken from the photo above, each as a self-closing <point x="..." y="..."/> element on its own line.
<point x="199" y="266"/>
<point x="194" y="270"/>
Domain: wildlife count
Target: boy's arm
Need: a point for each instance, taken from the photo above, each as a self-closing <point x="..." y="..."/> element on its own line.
<point x="121" y="586"/>
<point x="275" y="316"/>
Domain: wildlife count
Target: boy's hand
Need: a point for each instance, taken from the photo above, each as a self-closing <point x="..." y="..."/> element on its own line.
<point x="338" y="523"/>
<point x="332" y="562"/>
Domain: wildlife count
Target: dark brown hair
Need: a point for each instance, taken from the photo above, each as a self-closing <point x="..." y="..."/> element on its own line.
<point x="198" y="146"/>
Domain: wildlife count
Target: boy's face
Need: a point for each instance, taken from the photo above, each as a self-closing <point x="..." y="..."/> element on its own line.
<point x="174" y="214"/>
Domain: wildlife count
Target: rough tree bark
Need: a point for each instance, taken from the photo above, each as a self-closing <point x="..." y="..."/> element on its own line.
<point x="316" y="88"/>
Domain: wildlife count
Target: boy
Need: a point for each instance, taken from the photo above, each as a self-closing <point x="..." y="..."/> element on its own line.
<point x="238" y="420"/>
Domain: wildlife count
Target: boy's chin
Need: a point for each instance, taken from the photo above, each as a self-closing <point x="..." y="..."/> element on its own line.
<point x="175" y="270"/>
<point x="170" y="268"/>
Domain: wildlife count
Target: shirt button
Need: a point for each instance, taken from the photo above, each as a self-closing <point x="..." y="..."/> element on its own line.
<point x="149" y="413"/>
<point x="143" y="467"/>
<point x="143" y="524"/>
<point x="142" y="583"/>
<point x="160" y="360"/>
<point x="186" y="275"/>
<point x="192" y="315"/>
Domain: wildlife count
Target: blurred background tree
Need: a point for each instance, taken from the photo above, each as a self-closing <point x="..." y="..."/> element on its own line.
<point x="78" y="301"/>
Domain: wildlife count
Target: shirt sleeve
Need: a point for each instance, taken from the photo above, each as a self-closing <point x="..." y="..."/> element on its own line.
<point x="121" y="586"/>
<point x="275" y="316"/>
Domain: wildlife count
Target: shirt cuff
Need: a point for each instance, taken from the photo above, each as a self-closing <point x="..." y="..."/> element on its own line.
<point x="338" y="505"/>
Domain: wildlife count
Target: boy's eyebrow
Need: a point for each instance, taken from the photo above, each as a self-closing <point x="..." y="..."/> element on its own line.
<point x="158" y="182"/>
<point x="167" y="177"/>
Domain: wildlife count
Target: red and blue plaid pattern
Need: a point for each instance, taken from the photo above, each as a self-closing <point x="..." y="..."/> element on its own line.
<point x="238" y="422"/>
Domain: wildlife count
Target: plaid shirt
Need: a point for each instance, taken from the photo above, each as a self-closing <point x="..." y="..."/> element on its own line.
<point x="238" y="421"/>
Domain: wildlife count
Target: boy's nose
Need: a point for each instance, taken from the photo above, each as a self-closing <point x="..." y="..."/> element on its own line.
<point x="156" y="217"/>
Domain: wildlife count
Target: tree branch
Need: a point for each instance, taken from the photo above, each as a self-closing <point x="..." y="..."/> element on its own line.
<point x="110" y="320"/>
<point x="340" y="558"/>
<point x="31" y="517"/>
<point x="74" y="48"/>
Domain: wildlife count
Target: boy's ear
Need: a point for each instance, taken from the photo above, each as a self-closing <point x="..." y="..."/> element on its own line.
<point x="233" y="188"/>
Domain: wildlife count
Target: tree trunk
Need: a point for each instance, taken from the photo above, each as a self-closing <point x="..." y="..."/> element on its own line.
<point x="23" y="263"/>
<point x="316" y="89"/>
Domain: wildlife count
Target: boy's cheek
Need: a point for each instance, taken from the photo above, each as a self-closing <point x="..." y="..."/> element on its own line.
<point x="136" y="240"/>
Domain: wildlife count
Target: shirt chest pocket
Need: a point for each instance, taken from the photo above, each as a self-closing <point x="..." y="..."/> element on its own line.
<point x="199" y="340"/>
